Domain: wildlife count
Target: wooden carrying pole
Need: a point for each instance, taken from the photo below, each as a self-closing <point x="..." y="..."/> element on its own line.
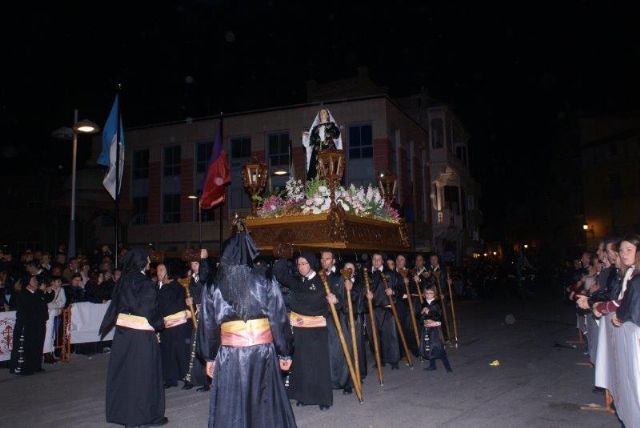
<point x="346" y="276"/>
<point x="343" y="342"/>
<point x="398" y="324"/>
<point x="453" y="308"/>
<point x="412" y="311"/>
<point x="436" y="276"/>
<point x="185" y="284"/>
<point x="374" y="328"/>
<point x="414" y="273"/>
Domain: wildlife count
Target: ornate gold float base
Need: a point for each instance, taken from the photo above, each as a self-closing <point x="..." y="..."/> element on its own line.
<point x="333" y="229"/>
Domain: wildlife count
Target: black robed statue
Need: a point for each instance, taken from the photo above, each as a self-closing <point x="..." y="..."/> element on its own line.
<point x="247" y="342"/>
<point x="135" y="391"/>
<point x="323" y="134"/>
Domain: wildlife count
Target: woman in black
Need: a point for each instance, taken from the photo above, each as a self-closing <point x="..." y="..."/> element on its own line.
<point x="174" y="339"/>
<point x="30" y="328"/>
<point x="135" y="393"/>
<point x="310" y="379"/>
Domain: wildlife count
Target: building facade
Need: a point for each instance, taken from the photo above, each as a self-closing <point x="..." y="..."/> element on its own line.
<point x="165" y="164"/>
<point x="610" y="153"/>
<point x="423" y="143"/>
<point x="453" y="192"/>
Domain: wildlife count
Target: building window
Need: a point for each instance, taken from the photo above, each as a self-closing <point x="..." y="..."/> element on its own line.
<point x="140" y="210"/>
<point x="241" y="147"/>
<point x="279" y="149"/>
<point x="171" y="209"/>
<point x="360" y="142"/>
<point x="203" y="154"/>
<point x="172" y="161"/>
<point x="437" y="133"/>
<point x="140" y="164"/>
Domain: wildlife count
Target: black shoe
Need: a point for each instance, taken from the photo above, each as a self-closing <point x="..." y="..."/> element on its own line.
<point x="394" y="366"/>
<point x="347" y="390"/>
<point x="169" y="385"/>
<point x="40" y="370"/>
<point x="429" y="369"/>
<point x="204" y="388"/>
<point x="187" y="385"/>
<point x="299" y="404"/>
<point x="158" y="422"/>
<point x="323" y="407"/>
<point x="449" y="371"/>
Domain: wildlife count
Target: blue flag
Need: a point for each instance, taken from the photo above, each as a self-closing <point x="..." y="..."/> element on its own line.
<point x="110" y="145"/>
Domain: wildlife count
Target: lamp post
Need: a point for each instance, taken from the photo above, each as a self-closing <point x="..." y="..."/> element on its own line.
<point x="331" y="168"/>
<point x="387" y="184"/>
<point x="196" y="199"/>
<point x="254" y="178"/>
<point x="79" y="127"/>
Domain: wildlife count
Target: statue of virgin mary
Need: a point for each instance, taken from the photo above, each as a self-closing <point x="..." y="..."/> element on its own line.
<point x="323" y="134"/>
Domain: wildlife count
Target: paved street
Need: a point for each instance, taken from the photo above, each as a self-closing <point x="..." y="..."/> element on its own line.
<point x="536" y="384"/>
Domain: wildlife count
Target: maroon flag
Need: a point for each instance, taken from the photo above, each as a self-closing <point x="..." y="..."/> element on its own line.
<point x="218" y="175"/>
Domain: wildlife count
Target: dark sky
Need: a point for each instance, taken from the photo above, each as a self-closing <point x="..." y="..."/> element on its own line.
<point x="508" y="70"/>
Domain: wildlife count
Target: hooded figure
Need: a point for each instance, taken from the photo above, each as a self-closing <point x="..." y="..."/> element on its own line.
<point x="310" y="378"/>
<point x="246" y="342"/>
<point x="135" y="391"/>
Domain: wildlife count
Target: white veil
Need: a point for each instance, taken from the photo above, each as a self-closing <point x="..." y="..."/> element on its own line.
<point x="306" y="136"/>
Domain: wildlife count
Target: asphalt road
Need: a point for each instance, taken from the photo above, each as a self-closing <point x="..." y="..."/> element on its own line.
<point x="536" y="385"/>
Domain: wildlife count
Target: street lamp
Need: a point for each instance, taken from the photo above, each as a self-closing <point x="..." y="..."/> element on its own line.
<point x="254" y="178"/>
<point x="387" y="184"/>
<point x="196" y="199"/>
<point x="79" y="127"/>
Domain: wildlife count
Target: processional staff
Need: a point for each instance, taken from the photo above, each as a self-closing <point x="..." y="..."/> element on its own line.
<point x="345" y="349"/>
<point x="394" y="311"/>
<point x="403" y="272"/>
<point x="374" y="328"/>
<point x="346" y="276"/>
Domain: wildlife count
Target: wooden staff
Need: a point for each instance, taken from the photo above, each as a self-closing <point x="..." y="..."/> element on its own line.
<point x="374" y="328"/>
<point x="436" y="276"/>
<point x="346" y="276"/>
<point x="412" y="311"/>
<point x="453" y="308"/>
<point x="343" y="342"/>
<point x="394" y="311"/>
<point x="194" y="337"/>
<point x="185" y="284"/>
<point x="414" y="273"/>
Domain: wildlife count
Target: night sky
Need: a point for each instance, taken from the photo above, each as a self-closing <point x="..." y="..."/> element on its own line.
<point x="510" y="72"/>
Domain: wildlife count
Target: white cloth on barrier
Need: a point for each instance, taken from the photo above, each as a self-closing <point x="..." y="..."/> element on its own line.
<point x="618" y="368"/>
<point x="7" y="322"/>
<point x="85" y="322"/>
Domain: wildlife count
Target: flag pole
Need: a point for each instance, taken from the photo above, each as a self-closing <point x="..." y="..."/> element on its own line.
<point x="117" y="192"/>
<point x="220" y="213"/>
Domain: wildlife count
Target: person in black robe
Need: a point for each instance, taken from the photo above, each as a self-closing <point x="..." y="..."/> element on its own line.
<point x="135" y="392"/>
<point x="199" y="273"/>
<point x="310" y="377"/>
<point x="174" y="338"/>
<point x="340" y="378"/>
<point x="385" y="323"/>
<point x="30" y="328"/>
<point x="432" y="346"/>
<point x="246" y="342"/>
<point x="359" y="315"/>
